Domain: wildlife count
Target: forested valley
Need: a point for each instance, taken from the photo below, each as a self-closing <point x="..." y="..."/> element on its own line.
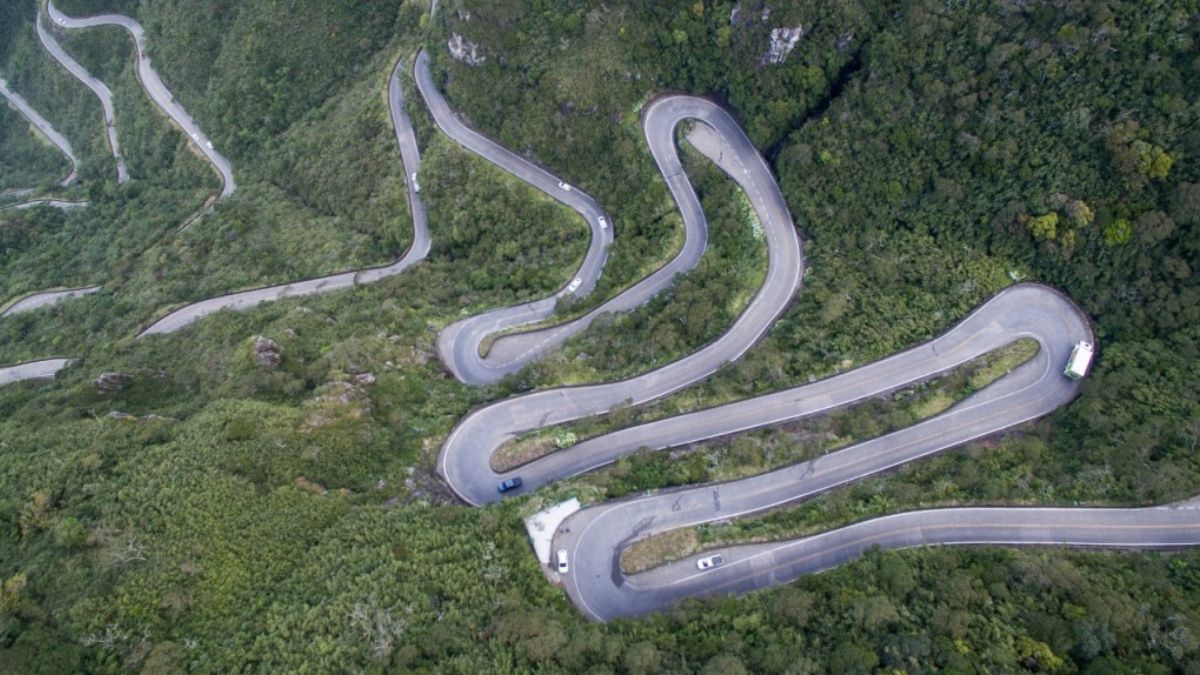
<point x="211" y="514"/>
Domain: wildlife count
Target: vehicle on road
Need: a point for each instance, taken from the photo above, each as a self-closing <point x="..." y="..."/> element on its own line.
<point x="710" y="562"/>
<point x="1081" y="358"/>
<point x="603" y="223"/>
<point x="416" y="185"/>
<point x="564" y="186"/>
<point x="509" y="484"/>
<point x="562" y="561"/>
<point x="574" y="284"/>
<point x="208" y="144"/>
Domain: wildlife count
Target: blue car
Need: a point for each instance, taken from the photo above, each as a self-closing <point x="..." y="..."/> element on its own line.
<point x="509" y="484"/>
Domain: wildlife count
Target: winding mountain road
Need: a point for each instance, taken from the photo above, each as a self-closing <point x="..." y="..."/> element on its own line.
<point x="99" y="88"/>
<point x="417" y="250"/>
<point x="464" y="457"/>
<point x="460" y="342"/>
<point x="44" y="128"/>
<point x="595" y="537"/>
<point x="155" y="89"/>
<point x="1029" y="391"/>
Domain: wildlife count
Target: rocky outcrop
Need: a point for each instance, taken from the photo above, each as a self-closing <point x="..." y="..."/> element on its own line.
<point x="267" y="353"/>
<point x="110" y="383"/>
<point x="783" y="41"/>
<point x="464" y="51"/>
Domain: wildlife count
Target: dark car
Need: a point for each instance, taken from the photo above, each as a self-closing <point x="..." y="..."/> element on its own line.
<point x="509" y="484"/>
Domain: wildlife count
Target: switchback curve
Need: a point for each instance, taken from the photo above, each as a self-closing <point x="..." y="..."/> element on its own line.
<point x="100" y="89"/>
<point x="463" y="461"/>
<point x="155" y="89"/>
<point x="596" y="536"/>
<point x="459" y="343"/>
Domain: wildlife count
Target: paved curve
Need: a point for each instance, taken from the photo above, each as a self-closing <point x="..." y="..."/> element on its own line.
<point x="411" y="158"/>
<point x="463" y="460"/>
<point x="1034" y="389"/>
<point x="155" y="89"/>
<point x="35" y="301"/>
<point x="759" y="566"/>
<point x="99" y="88"/>
<point x="43" y="127"/>
<point x="32" y="370"/>
<point x="459" y="343"/>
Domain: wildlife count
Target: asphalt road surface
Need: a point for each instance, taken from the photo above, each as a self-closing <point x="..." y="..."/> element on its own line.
<point x="459" y="343"/>
<point x="417" y="251"/>
<point x="62" y="204"/>
<point x="45" y="299"/>
<point x="33" y="370"/>
<point x="99" y="88"/>
<point x="44" y="128"/>
<point x="155" y="89"/>
<point x="464" y="458"/>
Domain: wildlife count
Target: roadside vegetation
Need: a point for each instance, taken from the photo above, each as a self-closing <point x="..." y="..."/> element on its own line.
<point x="217" y="514"/>
<point x="754" y="453"/>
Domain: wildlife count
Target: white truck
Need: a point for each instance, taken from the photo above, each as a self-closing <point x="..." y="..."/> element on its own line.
<point x="1081" y="358"/>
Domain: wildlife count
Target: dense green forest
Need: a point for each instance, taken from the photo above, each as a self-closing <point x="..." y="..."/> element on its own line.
<point x="214" y="515"/>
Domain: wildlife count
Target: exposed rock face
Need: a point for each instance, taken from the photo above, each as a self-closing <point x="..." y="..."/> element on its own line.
<point x="465" y="51"/>
<point x="110" y="383"/>
<point x="365" y="378"/>
<point x="783" y="41"/>
<point x="267" y="353"/>
<point x="122" y="416"/>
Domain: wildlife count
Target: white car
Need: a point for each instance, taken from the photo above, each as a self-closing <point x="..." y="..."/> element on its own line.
<point x="416" y="185"/>
<point x="710" y="562"/>
<point x="603" y="223"/>
<point x="208" y="144"/>
<point x="564" y="186"/>
<point x="574" y="284"/>
<point x="562" y="561"/>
